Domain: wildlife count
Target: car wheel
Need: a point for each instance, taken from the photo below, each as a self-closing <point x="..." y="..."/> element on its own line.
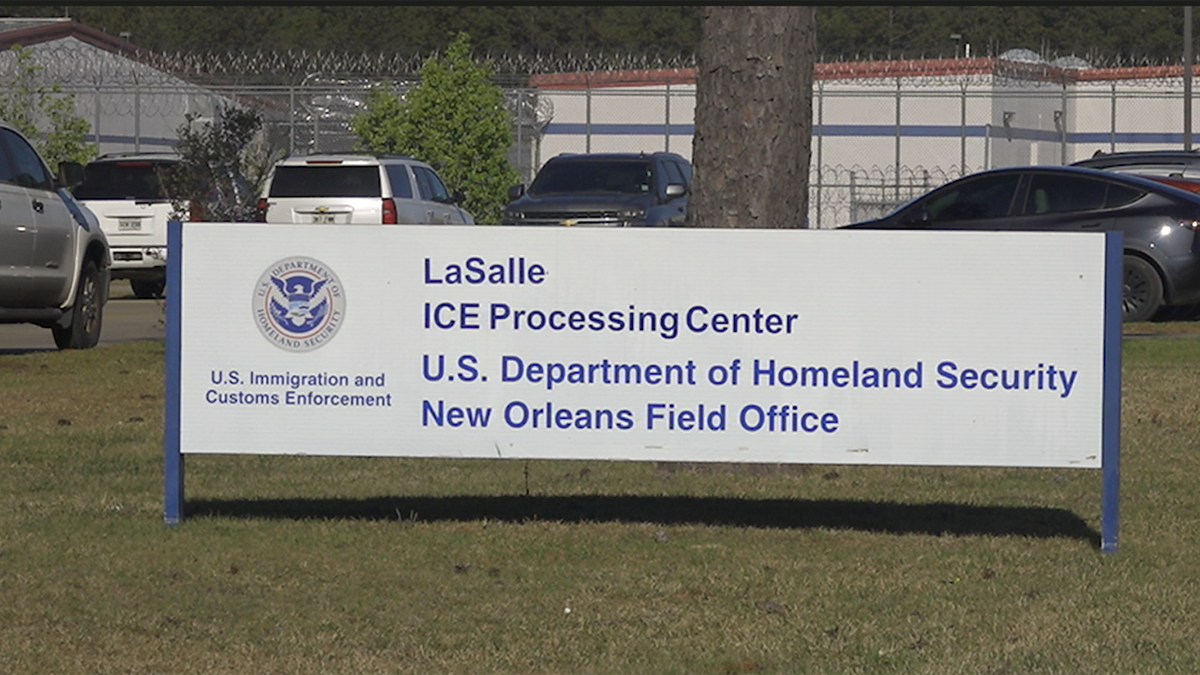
<point x="1143" y="290"/>
<point x="146" y="290"/>
<point x="86" y="313"/>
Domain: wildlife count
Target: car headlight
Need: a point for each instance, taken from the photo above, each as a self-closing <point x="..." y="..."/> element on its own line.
<point x="514" y="214"/>
<point x="637" y="213"/>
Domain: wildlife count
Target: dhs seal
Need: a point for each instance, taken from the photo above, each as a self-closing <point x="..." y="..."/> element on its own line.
<point x="299" y="304"/>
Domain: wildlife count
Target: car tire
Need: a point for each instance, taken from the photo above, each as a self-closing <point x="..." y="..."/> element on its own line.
<point x="147" y="290"/>
<point x="1142" y="295"/>
<point x="86" y="313"/>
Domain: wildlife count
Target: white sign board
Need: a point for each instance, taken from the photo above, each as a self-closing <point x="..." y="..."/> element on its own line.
<point x="797" y="346"/>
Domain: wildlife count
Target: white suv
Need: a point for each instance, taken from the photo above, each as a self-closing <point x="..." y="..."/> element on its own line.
<point x="356" y="189"/>
<point x="125" y="192"/>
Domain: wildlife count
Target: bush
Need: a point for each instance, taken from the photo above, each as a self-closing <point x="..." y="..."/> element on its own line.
<point x="455" y="120"/>
<point x="44" y="114"/>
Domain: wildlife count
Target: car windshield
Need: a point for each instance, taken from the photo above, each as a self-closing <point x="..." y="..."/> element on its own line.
<point x="326" y="181"/>
<point x="622" y="176"/>
<point x="123" y="180"/>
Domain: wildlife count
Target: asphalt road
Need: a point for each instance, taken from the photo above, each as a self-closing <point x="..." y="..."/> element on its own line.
<point x="125" y="319"/>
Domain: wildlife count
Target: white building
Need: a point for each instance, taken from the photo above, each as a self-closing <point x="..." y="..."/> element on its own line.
<point x="885" y="131"/>
<point x="130" y="104"/>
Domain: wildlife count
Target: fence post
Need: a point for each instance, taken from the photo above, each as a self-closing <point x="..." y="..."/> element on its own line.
<point x="1112" y="121"/>
<point x="137" y="116"/>
<point x="96" y="126"/>
<point x="667" y="114"/>
<point x="587" y="139"/>
<point x="987" y="146"/>
<point x="962" y="170"/>
<point x="1062" y="132"/>
<point x="292" y="120"/>
<point x="854" y="195"/>
<point x="520" y="98"/>
<point x="898" y="132"/>
<point x="820" y="136"/>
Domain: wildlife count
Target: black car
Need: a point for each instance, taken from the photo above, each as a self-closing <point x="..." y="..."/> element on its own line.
<point x="1177" y="168"/>
<point x="604" y="189"/>
<point x="1155" y="162"/>
<point x="1159" y="222"/>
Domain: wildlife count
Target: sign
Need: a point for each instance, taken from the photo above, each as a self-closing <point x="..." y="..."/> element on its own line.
<point x="795" y="346"/>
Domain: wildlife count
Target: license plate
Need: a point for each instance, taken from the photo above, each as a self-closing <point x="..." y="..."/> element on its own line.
<point x="129" y="225"/>
<point x="323" y="218"/>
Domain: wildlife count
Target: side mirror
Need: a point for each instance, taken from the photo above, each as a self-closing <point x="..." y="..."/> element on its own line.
<point x="676" y="190"/>
<point x="70" y="174"/>
<point x="516" y="192"/>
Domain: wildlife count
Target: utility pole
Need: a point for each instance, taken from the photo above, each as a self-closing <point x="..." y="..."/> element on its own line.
<point x="1187" y="77"/>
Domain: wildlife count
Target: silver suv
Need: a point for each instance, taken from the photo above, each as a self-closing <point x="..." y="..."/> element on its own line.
<point x="126" y="193"/>
<point x="54" y="257"/>
<point x="354" y="189"/>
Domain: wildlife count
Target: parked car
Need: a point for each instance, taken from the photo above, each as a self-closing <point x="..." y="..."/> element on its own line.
<point x="1161" y="162"/>
<point x="1159" y="222"/>
<point x="604" y="189"/>
<point x="355" y="189"/>
<point x="126" y="192"/>
<point x="1177" y="168"/>
<point x="54" y="258"/>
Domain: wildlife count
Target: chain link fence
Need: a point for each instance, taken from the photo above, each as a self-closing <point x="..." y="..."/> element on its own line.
<point x="877" y="141"/>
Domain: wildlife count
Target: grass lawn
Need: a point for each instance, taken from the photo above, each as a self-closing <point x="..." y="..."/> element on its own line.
<point x="379" y="565"/>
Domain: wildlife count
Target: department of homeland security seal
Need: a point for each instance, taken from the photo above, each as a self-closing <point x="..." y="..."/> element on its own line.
<point x="299" y="304"/>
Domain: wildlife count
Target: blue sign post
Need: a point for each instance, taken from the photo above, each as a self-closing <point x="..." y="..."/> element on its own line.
<point x="1110" y="458"/>
<point x="172" y="453"/>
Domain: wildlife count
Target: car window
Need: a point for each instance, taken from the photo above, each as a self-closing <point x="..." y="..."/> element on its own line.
<point x="986" y="197"/>
<point x="123" y="180"/>
<point x="431" y="187"/>
<point x="674" y="175"/>
<point x="627" y="177"/>
<point x="1050" y="193"/>
<point x="398" y="177"/>
<point x="1120" y="195"/>
<point x="7" y="174"/>
<point x="30" y="172"/>
<point x="686" y="170"/>
<point x="326" y="181"/>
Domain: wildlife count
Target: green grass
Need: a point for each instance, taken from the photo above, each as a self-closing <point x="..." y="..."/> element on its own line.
<point x="378" y="565"/>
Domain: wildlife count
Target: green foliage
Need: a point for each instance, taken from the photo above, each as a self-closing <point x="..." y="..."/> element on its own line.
<point x="456" y="121"/>
<point x="43" y="113"/>
<point x="216" y="157"/>
<point x="378" y="126"/>
<point x="847" y="31"/>
<point x="394" y="28"/>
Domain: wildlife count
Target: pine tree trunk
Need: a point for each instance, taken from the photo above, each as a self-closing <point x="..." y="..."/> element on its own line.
<point x="751" y="148"/>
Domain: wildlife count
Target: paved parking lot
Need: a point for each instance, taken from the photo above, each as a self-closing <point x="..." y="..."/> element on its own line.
<point x="125" y="318"/>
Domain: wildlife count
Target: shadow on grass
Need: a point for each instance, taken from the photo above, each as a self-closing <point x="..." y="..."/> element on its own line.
<point x="884" y="517"/>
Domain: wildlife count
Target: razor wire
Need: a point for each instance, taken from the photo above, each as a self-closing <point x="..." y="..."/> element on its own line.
<point x="72" y="62"/>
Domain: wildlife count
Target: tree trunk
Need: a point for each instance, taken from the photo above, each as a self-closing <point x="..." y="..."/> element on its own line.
<point x="750" y="152"/>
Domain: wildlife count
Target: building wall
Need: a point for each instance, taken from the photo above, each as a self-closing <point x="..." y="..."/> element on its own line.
<point x="130" y="106"/>
<point x="879" y="141"/>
